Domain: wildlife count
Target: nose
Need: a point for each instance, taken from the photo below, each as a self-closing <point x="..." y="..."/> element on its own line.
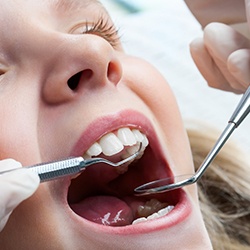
<point x="80" y="63"/>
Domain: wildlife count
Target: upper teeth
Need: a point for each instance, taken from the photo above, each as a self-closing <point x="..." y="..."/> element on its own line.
<point x="114" y="142"/>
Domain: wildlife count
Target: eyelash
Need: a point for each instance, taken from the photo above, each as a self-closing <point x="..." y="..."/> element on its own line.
<point x="2" y="72"/>
<point x="103" y="29"/>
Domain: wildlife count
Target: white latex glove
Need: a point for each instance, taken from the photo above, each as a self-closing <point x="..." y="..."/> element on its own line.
<point x="223" y="57"/>
<point x="15" y="187"/>
<point x="223" y="54"/>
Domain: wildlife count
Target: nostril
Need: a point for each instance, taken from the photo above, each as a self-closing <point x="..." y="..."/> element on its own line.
<point x="82" y="76"/>
<point x="114" y="72"/>
<point x="74" y="80"/>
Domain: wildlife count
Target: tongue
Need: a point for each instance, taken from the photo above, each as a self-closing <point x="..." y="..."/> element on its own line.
<point x="105" y="210"/>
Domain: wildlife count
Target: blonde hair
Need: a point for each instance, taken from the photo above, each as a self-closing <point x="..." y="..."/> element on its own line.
<point x="224" y="191"/>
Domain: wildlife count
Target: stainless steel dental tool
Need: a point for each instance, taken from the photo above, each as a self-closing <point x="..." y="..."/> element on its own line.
<point x="167" y="184"/>
<point x="71" y="166"/>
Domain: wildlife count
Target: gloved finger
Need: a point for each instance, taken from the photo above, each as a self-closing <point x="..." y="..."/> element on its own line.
<point x="247" y="7"/>
<point x="4" y="220"/>
<point x="15" y="187"/>
<point x="207" y="67"/>
<point x="221" y="41"/>
<point x="8" y="164"/>
<point x="239" y="65"/>
<point x="211" y="56"/>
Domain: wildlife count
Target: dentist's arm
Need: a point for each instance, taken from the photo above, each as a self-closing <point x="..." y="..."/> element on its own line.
<point x="15" y="187"/>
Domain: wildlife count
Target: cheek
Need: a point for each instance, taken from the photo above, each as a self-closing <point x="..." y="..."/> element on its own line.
<point x="152" y="88"/>
<point x="32" y="214"/>
<point x="18" y="135"/>
<point x="174" y="134"/>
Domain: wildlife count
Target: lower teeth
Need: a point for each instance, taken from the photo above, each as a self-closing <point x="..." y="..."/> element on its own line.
<point x="159" y="214"/>
<point x="152" y="209"/>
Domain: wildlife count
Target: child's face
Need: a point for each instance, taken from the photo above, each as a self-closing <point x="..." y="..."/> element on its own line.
<point x="61" y="90"/>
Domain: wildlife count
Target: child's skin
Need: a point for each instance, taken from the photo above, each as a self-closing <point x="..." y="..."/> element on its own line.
<point x="46" y="117"/>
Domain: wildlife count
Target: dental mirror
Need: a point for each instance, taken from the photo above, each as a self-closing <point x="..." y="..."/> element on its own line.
<point x="167" y="184"/>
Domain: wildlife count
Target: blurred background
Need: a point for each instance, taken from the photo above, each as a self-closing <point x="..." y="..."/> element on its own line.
<point x="160" y="31"/>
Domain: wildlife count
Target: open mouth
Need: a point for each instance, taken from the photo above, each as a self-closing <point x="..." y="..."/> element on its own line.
<point x="105" y="195"/>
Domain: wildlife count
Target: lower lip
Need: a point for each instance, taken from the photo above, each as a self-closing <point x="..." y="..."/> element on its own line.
<point x="178" y="215"/>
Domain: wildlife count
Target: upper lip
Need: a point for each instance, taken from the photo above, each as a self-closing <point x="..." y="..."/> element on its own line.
<point x="111" y="123"/>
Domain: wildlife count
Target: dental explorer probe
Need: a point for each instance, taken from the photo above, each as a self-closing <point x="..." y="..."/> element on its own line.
<point x="71" y="166"/>
<point x="167" y="184"/>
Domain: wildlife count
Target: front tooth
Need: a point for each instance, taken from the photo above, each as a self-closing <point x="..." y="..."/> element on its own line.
<point x="160" y="213"/>
<point x="138" y="135"/>
<point x="153" y="216"/>
<point x="126" y="136"/>
<point x="132" y="150"/>
<point x="86" y="156"/>
<point x="144" y="141"/>
<point x="156" y="215"/>
<point x="139" y="220"/>
<point x="110" y="144"/>
<point x="94" y="150"/>
<point x="165" y="210"/>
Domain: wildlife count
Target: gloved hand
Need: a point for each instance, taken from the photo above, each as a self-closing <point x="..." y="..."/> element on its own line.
<point x="223" y="54"/>
<point x="223" y="58"/>
<point x="15" y="187"/>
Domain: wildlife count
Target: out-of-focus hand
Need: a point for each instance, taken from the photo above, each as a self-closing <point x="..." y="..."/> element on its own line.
<point x="15" y="187"/>
<point x="223" y="54"/>
<point x="223" y="57"/>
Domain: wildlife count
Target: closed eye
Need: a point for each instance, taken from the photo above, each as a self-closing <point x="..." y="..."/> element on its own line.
<point x="102" y="27"/>
<point x="2" y="72"/>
